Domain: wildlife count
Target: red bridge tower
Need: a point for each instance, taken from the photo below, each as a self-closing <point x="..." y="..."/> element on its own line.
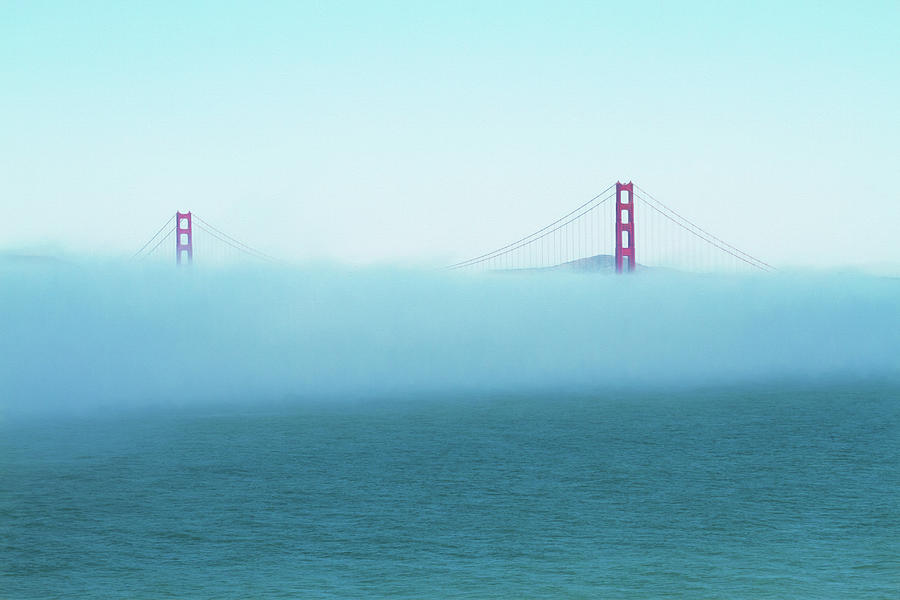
<point x="184" y="236"/>
<point x="624" y="226"/>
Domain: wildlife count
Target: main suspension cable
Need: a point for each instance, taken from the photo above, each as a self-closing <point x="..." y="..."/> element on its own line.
<point x="235" y="243"/>
<point x="652" y="198"/>
<point x="153" y="238"/>
<point x="498" y="251"/>
<point x="756" y="264"/>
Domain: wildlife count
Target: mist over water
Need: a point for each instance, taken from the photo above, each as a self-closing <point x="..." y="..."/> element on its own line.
<point x="89" y="337"/>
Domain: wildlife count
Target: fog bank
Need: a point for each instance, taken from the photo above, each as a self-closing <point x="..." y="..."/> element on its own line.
<point x="78" y="338"/>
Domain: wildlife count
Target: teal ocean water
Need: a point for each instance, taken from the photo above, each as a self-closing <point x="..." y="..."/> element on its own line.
<point x="741" y="492"/>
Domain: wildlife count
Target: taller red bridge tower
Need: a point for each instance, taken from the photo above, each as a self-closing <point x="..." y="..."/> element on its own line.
<point x="624" y="227"/>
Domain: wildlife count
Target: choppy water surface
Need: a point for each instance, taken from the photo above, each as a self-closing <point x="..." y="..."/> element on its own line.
<point x="767" y="492"/>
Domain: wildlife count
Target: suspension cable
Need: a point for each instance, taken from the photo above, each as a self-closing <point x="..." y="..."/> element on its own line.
<point x="252" y="252"/>
<point x="558" y="243"/>
<point x="234" y="242"/>
<point x="652" y="198"/>
<point x="498" y="251"/>
<point x="159" y="243"/>
<point x="152" y="238"/>
<point x="707" y="240"/>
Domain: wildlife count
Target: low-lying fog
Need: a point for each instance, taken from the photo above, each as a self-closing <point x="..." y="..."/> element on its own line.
<point x="83" y="338"/>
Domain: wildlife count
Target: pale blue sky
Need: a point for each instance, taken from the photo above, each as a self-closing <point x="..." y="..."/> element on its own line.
<point x="431" y="132"/>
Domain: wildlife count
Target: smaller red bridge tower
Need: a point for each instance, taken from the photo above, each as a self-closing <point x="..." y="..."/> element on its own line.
<point x="184" y="236"/>
<point x="624" y="226"/>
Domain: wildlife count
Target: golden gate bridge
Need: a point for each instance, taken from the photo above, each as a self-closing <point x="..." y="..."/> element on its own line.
<point x="622" y="229"/>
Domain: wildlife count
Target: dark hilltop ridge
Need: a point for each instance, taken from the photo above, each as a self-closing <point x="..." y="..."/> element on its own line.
<point x="600" y="263"/>
<point x="605" y="263"/>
